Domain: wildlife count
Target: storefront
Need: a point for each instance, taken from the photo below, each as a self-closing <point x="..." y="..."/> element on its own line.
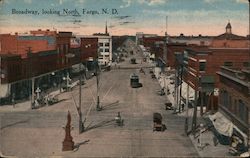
<point x="229" y="134"/>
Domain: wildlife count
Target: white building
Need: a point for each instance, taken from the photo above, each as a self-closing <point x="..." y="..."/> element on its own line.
<point x="105" y="49"/>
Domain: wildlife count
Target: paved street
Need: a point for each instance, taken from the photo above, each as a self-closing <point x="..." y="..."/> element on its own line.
<point x="39" y="132"/>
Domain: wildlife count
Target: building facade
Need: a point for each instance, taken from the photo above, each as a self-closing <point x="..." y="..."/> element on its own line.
<point x="202" y="63"/>
<point x="234" y="99"/>
<point x="105" y="50"/>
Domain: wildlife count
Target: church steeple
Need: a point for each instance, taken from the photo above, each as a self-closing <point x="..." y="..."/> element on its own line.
<point x="229" y="28"/>
<point x="106" y="28"/>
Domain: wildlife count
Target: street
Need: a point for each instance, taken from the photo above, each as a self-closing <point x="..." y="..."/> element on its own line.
<point x="39" y="132"/>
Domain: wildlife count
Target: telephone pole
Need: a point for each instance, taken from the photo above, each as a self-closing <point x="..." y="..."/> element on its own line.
<point x="165" y="58"/>
<point x="81" y="124"/>
<point x="30" y="75"/>
<point x="98" y="107"/>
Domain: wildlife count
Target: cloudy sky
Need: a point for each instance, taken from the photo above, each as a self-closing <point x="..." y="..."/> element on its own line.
<point x="191" y="17"/>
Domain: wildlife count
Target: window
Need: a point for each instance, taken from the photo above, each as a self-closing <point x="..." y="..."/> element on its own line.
<point x="100" y="49"/>
<point x="202" y="43"/>
<point x="107" y="44"/>
<point x="225" y="99"/>
<point x="221" y="97"/>
<point x="202" y="66"/>
<point x="101" y="44"/>
<point x="246" y="64"/>
<point x="228" y="63"/>
<point x="235" y="107"/>
<point x="106" y="50"/>
<point x="230" y="107"/>
<point x="243" y="111"/>
<point x="106" y="56"/>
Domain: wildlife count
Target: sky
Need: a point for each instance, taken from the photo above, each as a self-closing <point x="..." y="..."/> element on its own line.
<point x="190" y="17"/>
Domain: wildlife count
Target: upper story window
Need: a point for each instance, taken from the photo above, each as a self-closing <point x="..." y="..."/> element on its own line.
<point x="101" y="44"/>
<point x="202" y="43"/>
<point x="107" y="44"/>
<point x="228" y="63"/>
<point x="242" y="111"/>
<point x="202" y="65"/>
<point x="106" y="50"/>
<point x="100" y="49"/>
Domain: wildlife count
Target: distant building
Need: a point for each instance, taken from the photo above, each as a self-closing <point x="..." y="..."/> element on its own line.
<point x="229" y="40"/>
<point x="20" y="43"/>
<point x="104" y="47"/>
<point x="191" y="40"/>
<point x="140" y="37"/>
<point x="89" y="48"/>
<point x="234" y="101"/>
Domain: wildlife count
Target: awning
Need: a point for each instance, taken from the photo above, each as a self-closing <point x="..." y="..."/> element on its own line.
<point x="225" y="126"/>
<point x="184" y="91"/>
<point x="5" y="90"/>
<point x="222" y="124"/>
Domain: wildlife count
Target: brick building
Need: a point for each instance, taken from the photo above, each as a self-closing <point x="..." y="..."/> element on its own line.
<point x="89" y="47"/>
<point x="37" y="60"/>
<point x="202" y="63"/>
<point x="234" y="100"/>
<point x="229" y="40"/>
<point x="192" y="40"/>
<point x="20" y="44"/>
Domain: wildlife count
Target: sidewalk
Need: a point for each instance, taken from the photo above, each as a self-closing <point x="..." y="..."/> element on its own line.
<point x="23" y="106"/>
<point x="26" y="105"/>
<point x="206" y="147"/>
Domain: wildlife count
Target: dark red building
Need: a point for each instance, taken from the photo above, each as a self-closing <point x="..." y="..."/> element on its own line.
<point x="202" y="63"/>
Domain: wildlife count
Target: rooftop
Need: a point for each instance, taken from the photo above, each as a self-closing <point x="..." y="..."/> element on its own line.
<point x="241" y="76"/>
<point x="230" y="37"/>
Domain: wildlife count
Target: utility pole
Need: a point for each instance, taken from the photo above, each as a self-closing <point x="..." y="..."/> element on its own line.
<point x="98" y="108"/>
<point x="194" y="122"/>
<point x="81" y="124"/>
<point x="248" y="142"/>
<point x="165" y="43"/>
<point x="187" y="101"/>
<point x="175" y="86"/>
<point x="30" y="75"/>
<point x="249" y="28"/>
<point x="180" y="106"/>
